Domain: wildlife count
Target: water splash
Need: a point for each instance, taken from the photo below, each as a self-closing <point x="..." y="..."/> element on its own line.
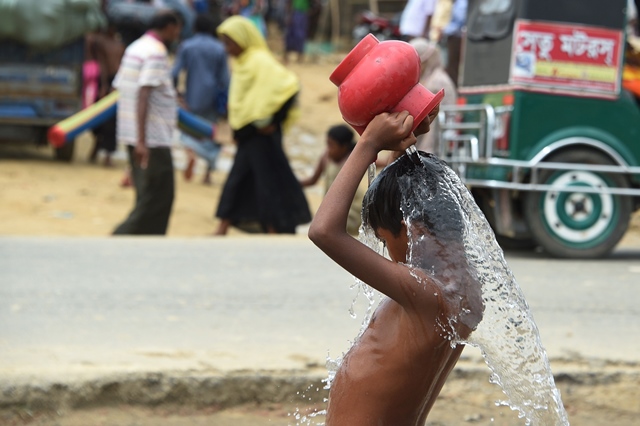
<point x="507" y="335"/>
<point x="308" y="418"/>
<point x="412" y="153"/>
<point x="506" y="332"/>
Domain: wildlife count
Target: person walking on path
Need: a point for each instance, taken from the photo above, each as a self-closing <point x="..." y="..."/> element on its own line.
<point x="297" y="22"/>
<point x="204" y="59"/>
<point x="453" y="33"/>
<point x="261" y="187"/>
<point x="253" y="10"/>
<point x="415" y="18"/>
<point x="433" y="77"/>
<point x="146" y="120"/>
<point x="440" y="19"/>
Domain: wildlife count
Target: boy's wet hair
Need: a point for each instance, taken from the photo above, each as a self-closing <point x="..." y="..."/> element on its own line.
<point x="343" y="135"/>
<point x="421" y="193"/>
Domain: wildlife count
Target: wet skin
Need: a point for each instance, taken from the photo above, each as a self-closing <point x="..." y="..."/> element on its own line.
<point x="394" y="373"/>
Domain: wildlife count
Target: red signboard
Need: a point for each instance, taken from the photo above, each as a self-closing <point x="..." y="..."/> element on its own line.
<point x="565" y="58"/>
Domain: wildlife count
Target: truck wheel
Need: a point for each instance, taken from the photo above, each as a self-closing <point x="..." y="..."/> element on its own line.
<point x="578" y="224"/>
<point x="65" y="152"/>
<point x="483" y="199"/>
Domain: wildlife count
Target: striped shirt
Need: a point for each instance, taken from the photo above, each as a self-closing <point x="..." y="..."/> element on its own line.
<point x="146" y="63"/>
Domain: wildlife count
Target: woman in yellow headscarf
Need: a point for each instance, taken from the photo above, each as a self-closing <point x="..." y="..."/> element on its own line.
<point x="261" y="187"/>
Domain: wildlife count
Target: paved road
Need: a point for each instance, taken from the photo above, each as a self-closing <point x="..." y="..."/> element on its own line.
<point x="88" y="307"/>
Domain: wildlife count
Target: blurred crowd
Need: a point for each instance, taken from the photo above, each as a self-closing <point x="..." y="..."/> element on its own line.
<point x="160" y="55"/>
<point x="212" y="59"/>
<point x="219" y="59"/>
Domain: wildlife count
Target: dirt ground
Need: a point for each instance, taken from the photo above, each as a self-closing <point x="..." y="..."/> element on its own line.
<point x="462" y="401"/>
<point x="41" y="197"/>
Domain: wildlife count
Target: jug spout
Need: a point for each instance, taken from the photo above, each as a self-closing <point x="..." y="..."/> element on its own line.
<point x="419" y="102"/>
<point x="380" y="77"/>
<point x="352" y="59"/>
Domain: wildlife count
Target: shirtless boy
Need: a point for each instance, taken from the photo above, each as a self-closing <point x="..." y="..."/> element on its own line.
<point x="394" y="373"/>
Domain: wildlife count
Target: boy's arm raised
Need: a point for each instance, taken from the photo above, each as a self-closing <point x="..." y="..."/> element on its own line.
<point x="328" y="229"/>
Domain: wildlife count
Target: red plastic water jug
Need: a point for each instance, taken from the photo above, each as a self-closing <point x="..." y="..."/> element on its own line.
<point x="378" y="77"/>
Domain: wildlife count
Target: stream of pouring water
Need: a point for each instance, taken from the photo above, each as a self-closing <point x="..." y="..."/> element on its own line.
<point x="507" y="334"/>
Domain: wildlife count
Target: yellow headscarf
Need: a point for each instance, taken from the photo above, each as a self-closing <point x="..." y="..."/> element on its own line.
<point x="260" y="85"/>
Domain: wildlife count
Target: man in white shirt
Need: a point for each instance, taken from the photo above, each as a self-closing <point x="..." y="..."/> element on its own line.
<point x="415" y="18"/>
<point x="146" y="121"/>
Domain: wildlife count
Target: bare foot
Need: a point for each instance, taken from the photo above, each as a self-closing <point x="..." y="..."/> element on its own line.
<point x="223" y="227"/>
<point x="126" y="180"/>
<point x="188" y="172"/>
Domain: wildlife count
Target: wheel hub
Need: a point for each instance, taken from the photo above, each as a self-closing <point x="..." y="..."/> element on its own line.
<point x="575" y="216"/>
<point x="581" y="206"/>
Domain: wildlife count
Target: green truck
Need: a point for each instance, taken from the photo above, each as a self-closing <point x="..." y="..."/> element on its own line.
<point x="544" y="135"/>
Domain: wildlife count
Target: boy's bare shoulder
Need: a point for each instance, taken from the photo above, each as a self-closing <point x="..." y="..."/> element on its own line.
<point x="420" y="288"/>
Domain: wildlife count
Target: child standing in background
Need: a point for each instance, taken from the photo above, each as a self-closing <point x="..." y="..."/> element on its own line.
<point x="340" y="143"/>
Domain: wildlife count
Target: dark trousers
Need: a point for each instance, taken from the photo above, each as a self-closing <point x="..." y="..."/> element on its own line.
<point x="454" y="51"/>
<point x="105" y="135"/>
<point x="154" y="194"/>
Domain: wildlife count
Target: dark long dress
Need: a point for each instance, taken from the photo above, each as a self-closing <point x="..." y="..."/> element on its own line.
<point x="261" y="188"/>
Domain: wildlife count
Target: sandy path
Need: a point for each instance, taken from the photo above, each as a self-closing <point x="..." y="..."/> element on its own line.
<point x="42" y="197"/>
<point x="462" y="401"/>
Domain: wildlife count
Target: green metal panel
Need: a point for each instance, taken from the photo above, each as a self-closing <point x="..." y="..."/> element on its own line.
<point x="539" y="119"/>
<point x="478" y="171"/>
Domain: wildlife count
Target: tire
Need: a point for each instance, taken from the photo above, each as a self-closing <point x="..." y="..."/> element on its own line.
<point x="483" y="199"/>
<point x="65" y="153"/>
<point x="578" y="224"/>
